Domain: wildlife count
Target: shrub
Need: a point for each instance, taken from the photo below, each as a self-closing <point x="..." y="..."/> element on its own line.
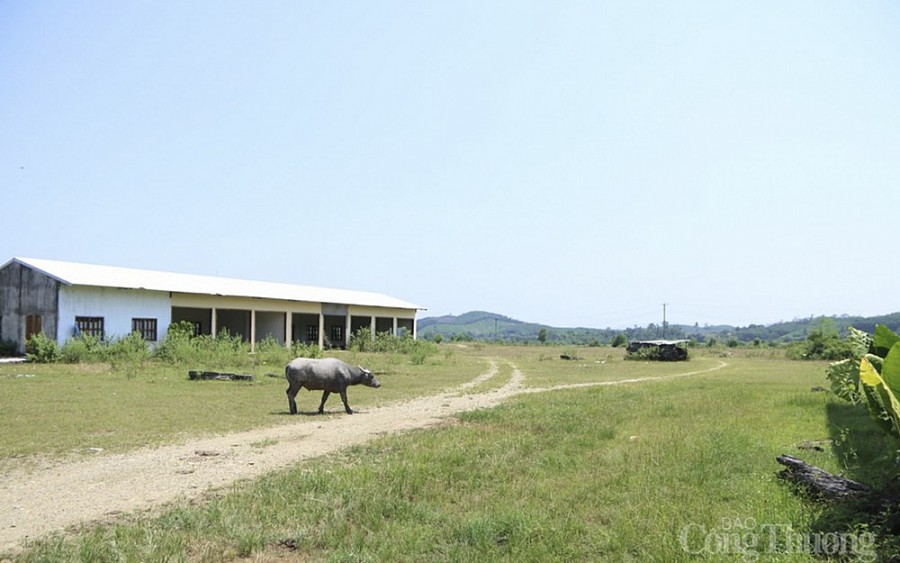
<point x="272" y="352"/>
<point x="384" y="342"/>
<point x="177" y="346"/>
<point x="826" y="343"/>
<point x="303" y="350"/>
<point x="40" y="348"/>
<point x="821" y="344"/>
<point x="619" y="340"/>
<point x="221" y="351"/>
<point x="644" y="353"/>
<point x="129" y="352"/>
<point x="83" y="348"/>
<point x="421" y="350"/>
<point x="361" y="340"/>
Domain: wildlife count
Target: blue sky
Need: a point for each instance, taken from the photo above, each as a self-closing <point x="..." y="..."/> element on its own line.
<point x="572" y="163"/>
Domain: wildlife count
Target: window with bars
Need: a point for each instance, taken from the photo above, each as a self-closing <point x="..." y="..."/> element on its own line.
<point x="146" y="327"/>
<point x="92" y="326"/>
<point x="312" y="333"/>
<point x="337" y="333"/>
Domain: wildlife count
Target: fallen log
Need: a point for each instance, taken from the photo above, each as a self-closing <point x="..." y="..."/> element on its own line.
<point x="820" y="482"/>
<point x="216" y="376"/>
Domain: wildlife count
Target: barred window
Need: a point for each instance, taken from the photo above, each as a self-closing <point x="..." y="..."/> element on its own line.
<point x="312" y="333"/>
<point x="337" y="333"/>
<point x="92" y="326"/>
<point x="146" y="327"/>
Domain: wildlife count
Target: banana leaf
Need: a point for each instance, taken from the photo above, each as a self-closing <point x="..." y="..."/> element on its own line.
<point x="885" y="339"/>
<point x="879" y="394"/>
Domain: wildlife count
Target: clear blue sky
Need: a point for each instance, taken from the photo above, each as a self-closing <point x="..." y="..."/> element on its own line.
<point x="572" y="163"/>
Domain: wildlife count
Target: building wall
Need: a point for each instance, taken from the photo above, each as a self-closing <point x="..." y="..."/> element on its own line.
<point x="244" y="303"/>
<point x="270" y="324"/>
<point x="384" y="319"/>
<point x="117" y="307"/>
<point x="233" y="314"/>
<point x="24" y="292"/>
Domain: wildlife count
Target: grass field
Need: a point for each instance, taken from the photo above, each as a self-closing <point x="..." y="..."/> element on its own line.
<point x="674" y="470"/>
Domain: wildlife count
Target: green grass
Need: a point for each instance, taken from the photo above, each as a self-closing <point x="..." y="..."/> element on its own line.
<point x="636" y="472"/>
<point x="62" y="409"/>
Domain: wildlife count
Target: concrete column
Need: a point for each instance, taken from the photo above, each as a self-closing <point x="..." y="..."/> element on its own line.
<point x="252" y="330"/>
<point x="288" y="330"/>
<point x="347" y="331"/>
<point x="372" y="327"/>
<point x="394" y="329"/>
<point x="321" y="331"/>
<point x="214" y="321"/>
<point x="415" y="328"/>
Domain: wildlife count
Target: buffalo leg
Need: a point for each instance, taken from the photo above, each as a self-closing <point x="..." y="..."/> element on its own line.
<point x="322" y="404"/>
<point x="291" y="394"/>
<point x="344" y="398"/>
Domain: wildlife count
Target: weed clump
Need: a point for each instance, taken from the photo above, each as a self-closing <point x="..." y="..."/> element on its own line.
<point x="385" y="342"/>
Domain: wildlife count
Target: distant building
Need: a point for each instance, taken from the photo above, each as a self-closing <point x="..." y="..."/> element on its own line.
<point x="62" y="299"/>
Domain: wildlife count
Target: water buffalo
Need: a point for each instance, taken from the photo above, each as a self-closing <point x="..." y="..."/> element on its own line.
<point x="330" y="375"/>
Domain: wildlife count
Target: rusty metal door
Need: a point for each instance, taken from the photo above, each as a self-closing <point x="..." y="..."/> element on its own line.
<point x="32" y="325"/>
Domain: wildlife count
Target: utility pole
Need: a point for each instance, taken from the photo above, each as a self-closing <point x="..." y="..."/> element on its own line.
<point x="664" y="321"/>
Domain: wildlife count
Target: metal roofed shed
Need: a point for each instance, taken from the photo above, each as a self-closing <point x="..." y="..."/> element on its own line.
<point x="663" y="350"/>
<point x="64" y="298"/>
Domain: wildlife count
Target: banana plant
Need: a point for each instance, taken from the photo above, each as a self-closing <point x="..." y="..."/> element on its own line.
<point x="844" y="375"/>
<point x="880" y="379"/>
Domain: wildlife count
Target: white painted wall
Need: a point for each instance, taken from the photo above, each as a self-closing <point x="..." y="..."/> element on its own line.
<point x="116" y="306"/>
<point x="269" y="324"/>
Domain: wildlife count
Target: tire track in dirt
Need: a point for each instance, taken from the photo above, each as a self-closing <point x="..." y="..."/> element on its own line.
<point x="34" y="503"/>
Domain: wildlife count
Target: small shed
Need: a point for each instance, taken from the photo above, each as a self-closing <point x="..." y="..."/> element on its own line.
<point x="665" y="350"/>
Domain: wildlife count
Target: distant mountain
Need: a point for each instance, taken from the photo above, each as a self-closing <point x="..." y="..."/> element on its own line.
<point x="486" y="326"/>
<point x="483" y="325"/>
<point x="480" y="325"/>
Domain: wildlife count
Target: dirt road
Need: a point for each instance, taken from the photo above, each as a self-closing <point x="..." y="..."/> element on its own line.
<point x="33" y="503"/>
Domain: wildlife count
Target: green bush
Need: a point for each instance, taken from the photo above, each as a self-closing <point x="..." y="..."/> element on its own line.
<point x="177" y="347"/>
<point x="40" y="348"/>
<point x="130" y="352"/>
<point x="272" y="352"/>
<point x="361" y="340"/>
<point x="421" y="351"/>
<point x="83" y="348"/>
<point x="644" y="353"/>
<point x="224" y="350"/>
<point x="303" y="350"/>
<point x="820" y="344"/>
<point x="384" y="342"/>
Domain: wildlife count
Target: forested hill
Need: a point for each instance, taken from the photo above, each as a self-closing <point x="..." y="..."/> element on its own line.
<point x="483" y="325"/>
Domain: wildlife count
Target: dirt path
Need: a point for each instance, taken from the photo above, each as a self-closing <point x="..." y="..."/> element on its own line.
<point x="54" y="498"/>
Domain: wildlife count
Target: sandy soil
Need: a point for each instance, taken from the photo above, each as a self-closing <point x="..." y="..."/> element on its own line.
<point x="51" y="498"/>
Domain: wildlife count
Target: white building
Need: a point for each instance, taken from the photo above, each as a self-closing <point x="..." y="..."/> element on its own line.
<point x="63" y="298"/>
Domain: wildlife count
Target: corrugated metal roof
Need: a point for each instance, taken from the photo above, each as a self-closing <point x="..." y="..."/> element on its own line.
<point x="74" y="273"/>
